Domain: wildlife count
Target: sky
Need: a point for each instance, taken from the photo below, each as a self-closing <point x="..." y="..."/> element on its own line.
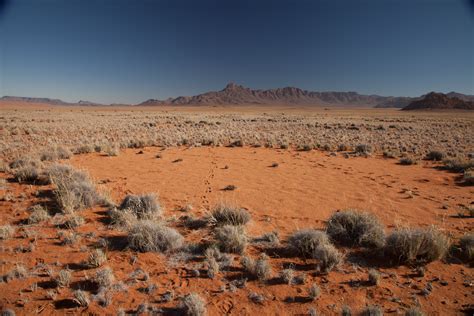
<point x="127" y="51"/>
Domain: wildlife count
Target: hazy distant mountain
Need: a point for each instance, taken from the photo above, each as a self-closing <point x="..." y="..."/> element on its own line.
<point x="440" y="101"/>
<point x="234" y="94"/>
<point x="47" y="101"/>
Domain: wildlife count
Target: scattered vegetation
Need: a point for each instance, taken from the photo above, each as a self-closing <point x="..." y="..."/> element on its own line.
<point x="374" y="277"/>
<point x="435" y="155"/>
<point x="354" y="228"/>
<point x="193" y="305"/>
<point x="142" y="206"/>
<point x="38" y="214"/>
<point x="224" y="214"/>
<point x="314" y="291"/>
<point x="96" y="258"/>
<point x="416" y="246"/>
<point x="81" y="298"/>
<point x="414" y="311"/>
<point x="148" y="235"/>
<point x="231" y="238"/>
<point x="73" y="188"/>
<point x="259" y="269"/>
<point x="305" y="242"/>
<point x="104" y="278"/>
<point x="63" y="278"/>
<point x="372" y="310"/>
<point x="6" y="231"/>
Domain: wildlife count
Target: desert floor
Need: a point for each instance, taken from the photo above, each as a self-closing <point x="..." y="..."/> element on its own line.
<point x="284" y="190"/>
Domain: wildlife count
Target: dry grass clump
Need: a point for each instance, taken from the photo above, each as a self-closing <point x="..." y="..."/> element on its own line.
<point x="363" y="149"/>
<point x="96" y="258"/>
<point x="27" y="174"/>
<point x="63" y="278"/>
<point x="459" y="165"/>
<point x="84" y="149"/>
<point x="374" y="277"/>
<point x="147" y="235"/>
<point x="224" y="214"/>
<point x="435" y="155"/>
<point x="73" y="189"/>
<point x="354" y="228"/>
<point x="315" y="244"/>
<point x="7" y="312"/>
<point x="142" y="206"/>
<point x="6" y="231"/>
<point x="414" y="246"/>
<point x="104" y="278"/>
<point x="407" y="161"/>
<point x="215" y="261"/>
<point x="305" y="242"/>
<point x="314" y="291"/>
<point x="25" y="161"/>
<point x="414" y="311"/>
<point x="328" y="256"/>
<point x="73" y="221"/>
<point x="38" y="214"/>
<point x="112" y="150"/>
<point x="19" y="272"/>
<point x="55" y="153"/>
<point x="231" y="238"/>
<point x="81" y="298"/>
<point x="193" y="305"/>
<point x="286" y="276"/>
<point x="466" y="247"/>
<point x="468" y="176"/>
<point x="259" y="269"/>
<point x="372" y="310"/>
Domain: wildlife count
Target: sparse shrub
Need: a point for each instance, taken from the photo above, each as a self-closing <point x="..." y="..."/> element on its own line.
<point x="231" y="238"/>
<point x="416" y="245"/>
<point x="346" y="311"/>
<point x="96" y="258"/>
<point x="81" y="298"/>
<point x="312" y="312"/>
<point x="6" y="231"/>
<point x="256" y="298"/>
<point x="223" y="214"/>
<point x="112" y="150"/>
<point x="466" y="245"/>
<point x="38" y="214"/>
<point x="406" y="161"/>
<point x="212" y="267"/>
<point x="435" y="155"/>
<point x="7" y="312"/>
<point x="363" y="149"/>
<point x="305" y="242"/>
<point x="305" y="147"/>
<point x="468" y="176"/>
<point x="84" y="149"/>
<point x="63" y="278"/>
<point x="19" y="272"/>
<point x="354" y="228"/>
<point x="459" y="165"/>
<point x="25" y="161"/>
<point x="414" y="311"/>
<point x="71" y="238"/>
<point x="104" y="278"/>
<point x="271" y="238"/>
<point x="27" y="174"/>
<point x="74" y="221"/>
<point x="147" y="235"/>
<point x="55" y="153"/>
<point x="73" y="189"/>
<point x="142" y="206"/>
<point x="314" y="291"/>
<point x="193" y="305"/>
<point x="372" y="310"/>
<point x="124" y="219"/>
<point x="329" y="257"/>
<point x="259" y="269"/>
<point x="374" y="277"/>
<point x="286" y="276"/>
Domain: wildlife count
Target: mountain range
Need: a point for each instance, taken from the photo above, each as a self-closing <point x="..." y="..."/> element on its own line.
<point x="234" y="94"/>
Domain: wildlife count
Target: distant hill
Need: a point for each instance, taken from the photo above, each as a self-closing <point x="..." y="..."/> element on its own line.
<point x="234" y="94"/>
<point x="440" y="101"/>
<point x="48" y="101"/>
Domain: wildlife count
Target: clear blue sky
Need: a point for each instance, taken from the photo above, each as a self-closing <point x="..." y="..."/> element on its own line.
<point x="131" y="50"/>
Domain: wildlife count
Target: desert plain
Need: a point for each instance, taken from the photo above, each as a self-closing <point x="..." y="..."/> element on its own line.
<point x="244" y="201"/>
